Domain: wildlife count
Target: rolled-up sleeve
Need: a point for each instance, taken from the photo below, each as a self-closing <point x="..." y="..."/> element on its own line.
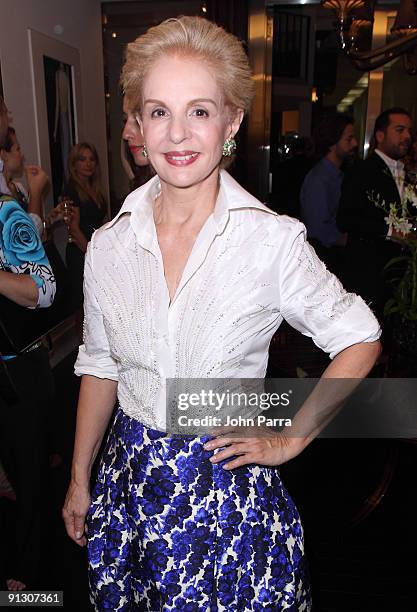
<point x="313" y="301"/>
<point x="94" y="356"/>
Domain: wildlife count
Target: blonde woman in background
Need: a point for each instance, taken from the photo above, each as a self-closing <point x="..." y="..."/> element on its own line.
<point x="87" y="213"/>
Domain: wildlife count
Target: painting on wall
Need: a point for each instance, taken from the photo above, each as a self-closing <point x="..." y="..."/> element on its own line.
<point x="56" y="79"/>
<point x="61" y="120"/>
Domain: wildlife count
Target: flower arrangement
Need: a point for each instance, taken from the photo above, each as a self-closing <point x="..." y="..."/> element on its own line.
<point x="402" y="223"/>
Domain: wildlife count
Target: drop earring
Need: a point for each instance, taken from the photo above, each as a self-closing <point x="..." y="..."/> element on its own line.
<point x="145" y="152"/>
<point x="229" y="147"/>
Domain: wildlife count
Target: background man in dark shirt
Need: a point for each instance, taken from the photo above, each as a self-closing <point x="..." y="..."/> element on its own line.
<point x="335" y="144"/>
<point x="369" y="247"/>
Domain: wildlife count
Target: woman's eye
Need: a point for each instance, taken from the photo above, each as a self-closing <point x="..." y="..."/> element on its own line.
<point x="200" y="112"/>
<point x="158" y="112"/>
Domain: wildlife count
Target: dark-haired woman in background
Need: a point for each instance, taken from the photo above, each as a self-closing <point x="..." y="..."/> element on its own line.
<point x="87" y="213"/>
<point x="14" y="167"/>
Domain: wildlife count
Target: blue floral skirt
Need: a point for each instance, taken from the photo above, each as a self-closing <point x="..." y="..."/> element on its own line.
<point x="170" y="531"/>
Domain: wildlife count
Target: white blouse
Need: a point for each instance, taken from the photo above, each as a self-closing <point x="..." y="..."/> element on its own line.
<point x="249" y="269"/>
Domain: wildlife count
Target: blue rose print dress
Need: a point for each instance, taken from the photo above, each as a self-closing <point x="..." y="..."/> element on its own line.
<point x="21" y="249"/>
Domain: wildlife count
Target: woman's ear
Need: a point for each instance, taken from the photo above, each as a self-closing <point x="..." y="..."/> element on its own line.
<point x="236" y="120"/>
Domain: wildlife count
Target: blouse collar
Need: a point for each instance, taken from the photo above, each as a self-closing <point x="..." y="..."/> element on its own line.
<point x="231" y="196"/>
<point x="139" y="204"/>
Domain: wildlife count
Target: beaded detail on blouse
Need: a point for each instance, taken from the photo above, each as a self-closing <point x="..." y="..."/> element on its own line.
<point x="248" y="270"/>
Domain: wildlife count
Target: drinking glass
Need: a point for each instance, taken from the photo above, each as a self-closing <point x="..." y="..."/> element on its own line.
<point x="66" y="211"/>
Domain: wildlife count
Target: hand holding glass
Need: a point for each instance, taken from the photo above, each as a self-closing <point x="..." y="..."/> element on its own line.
<point x="66" y="206"/>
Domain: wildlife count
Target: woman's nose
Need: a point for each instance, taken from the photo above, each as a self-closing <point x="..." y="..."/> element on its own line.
<point x="126" y="132"/>
<point x="178" y="129"/>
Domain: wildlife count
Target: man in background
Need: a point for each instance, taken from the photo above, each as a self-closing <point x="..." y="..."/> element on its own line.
<point x="335" y="144"/>
<point x="369" y="247"/>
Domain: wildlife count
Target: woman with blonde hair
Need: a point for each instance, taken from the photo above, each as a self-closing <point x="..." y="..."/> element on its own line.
<point x="191" y="280"/>
<point x="87" y="212"/>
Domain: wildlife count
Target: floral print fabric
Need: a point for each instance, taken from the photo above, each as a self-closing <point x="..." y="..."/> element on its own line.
<point x="170" y="531"/>
<point x="21" y="249"/>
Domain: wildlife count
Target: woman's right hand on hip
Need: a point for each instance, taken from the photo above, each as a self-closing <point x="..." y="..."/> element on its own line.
<point x="77" y="503"/>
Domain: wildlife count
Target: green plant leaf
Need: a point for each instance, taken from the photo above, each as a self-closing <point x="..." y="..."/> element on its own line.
<point x="396" y="260"/>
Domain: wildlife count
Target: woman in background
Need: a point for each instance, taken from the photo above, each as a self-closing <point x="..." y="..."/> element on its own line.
<point x="87" y="212"/>
<point x="14" y="167"/>
<point x="26" y="279"/>
<point x="134" y="160"/>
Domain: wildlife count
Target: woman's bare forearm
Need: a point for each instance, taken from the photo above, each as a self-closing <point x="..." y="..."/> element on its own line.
<point x="354" y="362"/>
<point x="338" y="381"/>
<point x="19" y="288"/>
<point x="323" y="403"/>
<point x="95" y="407"/>
<point x="35" y="204"/>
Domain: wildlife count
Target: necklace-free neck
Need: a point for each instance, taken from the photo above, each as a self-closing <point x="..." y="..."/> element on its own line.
<point x="190" y="205"/>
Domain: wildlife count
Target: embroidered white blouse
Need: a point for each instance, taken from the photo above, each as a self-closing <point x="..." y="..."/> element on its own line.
<point x="249" y="269"/>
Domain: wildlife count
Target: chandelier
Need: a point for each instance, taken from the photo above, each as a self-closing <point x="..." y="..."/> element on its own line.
<point x="354" y="23"/>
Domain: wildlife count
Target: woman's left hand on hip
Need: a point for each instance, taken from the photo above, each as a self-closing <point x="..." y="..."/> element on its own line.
<point x="266" y="450"/>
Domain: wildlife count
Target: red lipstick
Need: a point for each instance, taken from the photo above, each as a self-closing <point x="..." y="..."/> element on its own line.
<point x="181" y="158"/>
<point x="135" y="148"/>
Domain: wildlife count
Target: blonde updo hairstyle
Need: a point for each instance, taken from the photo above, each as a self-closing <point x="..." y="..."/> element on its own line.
<point x="196" y="38"/>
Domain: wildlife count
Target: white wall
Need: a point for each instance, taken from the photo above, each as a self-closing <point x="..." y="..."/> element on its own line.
<point x="80" y="22"/>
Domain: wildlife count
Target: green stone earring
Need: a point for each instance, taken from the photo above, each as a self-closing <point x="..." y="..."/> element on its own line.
<point x="229" y="147"/>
